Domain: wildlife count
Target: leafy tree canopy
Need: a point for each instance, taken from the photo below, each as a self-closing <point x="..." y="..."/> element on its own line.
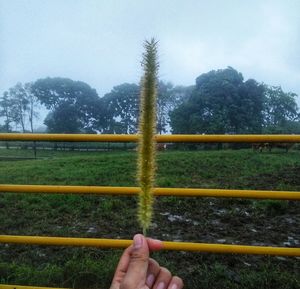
<point x="221" y="102"/>
<point x="19" y="106"/>
<point x="54" y="91"/>
<point x="122" y="105"/>
<point x="56" y="120"/>
<point x="122" y="108"/>
<point x="280" y="108"/>
<point x="75" y="106"/>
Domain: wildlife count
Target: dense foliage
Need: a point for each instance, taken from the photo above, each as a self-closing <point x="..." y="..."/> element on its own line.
<point x="221" y="101"/>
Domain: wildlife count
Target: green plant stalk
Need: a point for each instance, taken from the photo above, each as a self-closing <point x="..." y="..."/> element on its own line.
<point x="147" y="130"/>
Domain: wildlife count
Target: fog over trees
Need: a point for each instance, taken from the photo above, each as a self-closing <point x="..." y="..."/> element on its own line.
<point x="220" y="102"/>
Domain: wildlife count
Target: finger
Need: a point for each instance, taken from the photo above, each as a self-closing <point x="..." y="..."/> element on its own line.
<point x="153" y="270"/>
<point x="154" y="245"/>
<point x="122" y="266"/>
<point x="176" y="283"/>
<point x="138" y="263"/>
<point x="163" y="279"/>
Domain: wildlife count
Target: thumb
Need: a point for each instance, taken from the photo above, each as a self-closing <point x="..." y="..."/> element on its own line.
<point x="138" y="265"/>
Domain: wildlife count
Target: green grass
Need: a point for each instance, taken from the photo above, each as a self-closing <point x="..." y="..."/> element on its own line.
<point x="228" y="169"/>
<point x="205" y="219"/>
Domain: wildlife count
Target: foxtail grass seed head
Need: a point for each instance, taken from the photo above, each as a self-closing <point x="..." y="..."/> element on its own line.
<point x="147" y="130"/>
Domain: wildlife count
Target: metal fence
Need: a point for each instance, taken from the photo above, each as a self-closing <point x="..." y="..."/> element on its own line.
<point x="179" y="192"/>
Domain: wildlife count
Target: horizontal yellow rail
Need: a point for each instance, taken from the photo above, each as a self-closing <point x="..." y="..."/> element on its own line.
<point x="69" y="137"/>
<point x="2" y="286"/>
<point x="127" y="191"/>
<point x="159" y="138"/>
<point x="179" y="246"/>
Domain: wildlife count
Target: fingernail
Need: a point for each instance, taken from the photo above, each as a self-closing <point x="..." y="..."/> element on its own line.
<point x="174" y="286"/>
<point x="150" y="280"/>
<point x="137" y="241"/>
<point x="161" y="285"/>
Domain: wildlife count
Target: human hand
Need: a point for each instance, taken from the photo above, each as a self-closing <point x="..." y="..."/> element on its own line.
<point x="137" y="271"/>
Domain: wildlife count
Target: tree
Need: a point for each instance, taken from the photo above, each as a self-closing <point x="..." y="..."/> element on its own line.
<point x="33" y="104"/>
<point x="180" y="94"/>
<point x="177" y="96"/>
<point x="168" y="98"/>
<point x="74" y="105"/>
<point x="122" y="105"/>
<point x="19" y="105"/>
<point x="164" y="105"/>
<point x="251" y="105"/>
<point x="180" y="119"/>
<point x="5" y="112"/>
<point x="281" y="112"/>
<point x="221" y="102"/>
<point x="56" y="120"/>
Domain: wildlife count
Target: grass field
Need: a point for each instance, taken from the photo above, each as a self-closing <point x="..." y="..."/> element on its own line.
<point x="229" y="221"/>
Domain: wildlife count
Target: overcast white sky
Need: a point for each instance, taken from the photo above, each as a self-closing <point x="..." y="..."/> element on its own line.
<point x="100" y="42"/>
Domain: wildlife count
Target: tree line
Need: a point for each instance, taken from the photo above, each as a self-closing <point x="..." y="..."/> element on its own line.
<point x="221" y="102"/>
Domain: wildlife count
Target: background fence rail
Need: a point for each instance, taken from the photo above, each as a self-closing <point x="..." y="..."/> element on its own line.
<point x="131" y="191"/>
<point x="2" y="286"/>
<point x="243" y="138"/>
<point x="178" y="246"/>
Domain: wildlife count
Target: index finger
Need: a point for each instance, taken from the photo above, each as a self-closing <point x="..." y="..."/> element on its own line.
<point x="154" y="244"/>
